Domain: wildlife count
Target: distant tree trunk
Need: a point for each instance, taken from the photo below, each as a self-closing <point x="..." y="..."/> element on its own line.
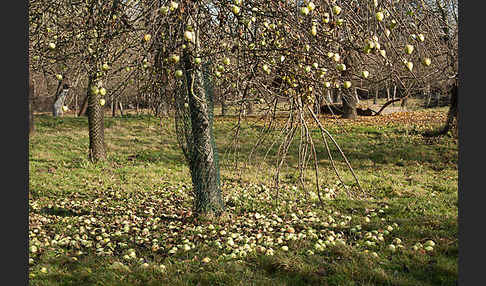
<point x="120" y="106"/>
<point x="375" y="99"/>
<point x="349" y="97"/>
<point x="223" y="105"/>
<point x="31" y="107"/>
<point x="394" y="94"/>
<point x="84" y="105"/>
<point x="335" y="95"/>
<point x="97" y="150"/>
<point x="76" y="105"/>
<point x="249" y="108"/>
<point x="113" y="106"/>
<point x="349" y="105"/>
<point x="59" y="101"/>
<point x="329" y="97"/>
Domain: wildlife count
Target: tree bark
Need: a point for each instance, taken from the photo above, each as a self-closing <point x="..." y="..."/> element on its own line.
<point x="97" y="150"/>
<point x="349" y="105"/>
<point x="84" y="105"/>
<point x="223" y="105"/>
<point x="59" y="101"/>
<point x="31" y="107"/>
<point x="202" y="155"/>
<point x="348" y="96"/>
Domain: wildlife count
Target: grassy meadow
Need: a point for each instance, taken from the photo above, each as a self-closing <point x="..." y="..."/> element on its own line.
<point x="128" y="221"/>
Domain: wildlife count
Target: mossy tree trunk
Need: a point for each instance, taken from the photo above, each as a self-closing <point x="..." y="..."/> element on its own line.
<point x="200" y="148"/>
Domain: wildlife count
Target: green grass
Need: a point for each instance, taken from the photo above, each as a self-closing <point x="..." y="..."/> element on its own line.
<point x="142" y="192"/>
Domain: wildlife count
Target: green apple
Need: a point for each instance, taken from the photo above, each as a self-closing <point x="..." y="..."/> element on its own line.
<point x="341" y="67"/>
<point x="365" y="73"/>
<point x="330" y="54"/>
<point x="315" y="65"/>
<point x="336" y="57"/>
<point x="387" y="32"/>
<point x="173" y="5"/>
<point x="220" y="68"/>
<point x="94" y="90"/>
<point x="102" y="101"/>
<point x="379" y="16"/>
<point x="52" y="46"/>
<point x="226" y="61"/>
<point x="235" y="9"/>
<point x="426" y="61"/>
<point x="336" y="10"/>
<point x="164" y="10"/>
<point x="314" y="30"/>
<point x="206" y="260"/>
<point x="178" y="73"/>
<point x="103" y="91"/>
<point x="307" y="69"/>
<point x="339" y="21"/>
<point x="285" y="248"/>
<point x="105" y="67"/>
<point x="408" y="49"/>
<point x="59" y="76"/>
<point x="327" y="84"/>
<point x="392" y="247"/>
<point x="197" y="61"/>
<point x="429" y="243"/>
<point x="266" y="69"/>
<point x="325" y="18"/>
<point x="304" y="11"/>
<point x="189" y="36"/>
<point x="174" y="58"/>
<point x="347" y="84"/>
<point x="217" y="73"/>
<point x="409" y="66"/>
<point x="311" y="6"/>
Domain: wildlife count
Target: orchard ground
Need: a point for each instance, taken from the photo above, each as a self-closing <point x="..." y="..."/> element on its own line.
<point x="128" y="221"/>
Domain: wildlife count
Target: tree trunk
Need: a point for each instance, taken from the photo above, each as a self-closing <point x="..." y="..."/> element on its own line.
<point x="59" y="101"/>
<point x="404" y="103"/>
<point x="202" y="154"/>
<point x="31" y="107"/>
<point x="97" y="150"/>
<point x="329" y="97"/>
<point x="452" y="114"/>
<point x="84" y="105"/>
<point x="375" y="99"/>
<point x="394" y="94"/>
<point x="120" y="106"/>
<point x="223" y="106"/>
<point x="348" y="96"/>
<point x="349" y="105"/>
